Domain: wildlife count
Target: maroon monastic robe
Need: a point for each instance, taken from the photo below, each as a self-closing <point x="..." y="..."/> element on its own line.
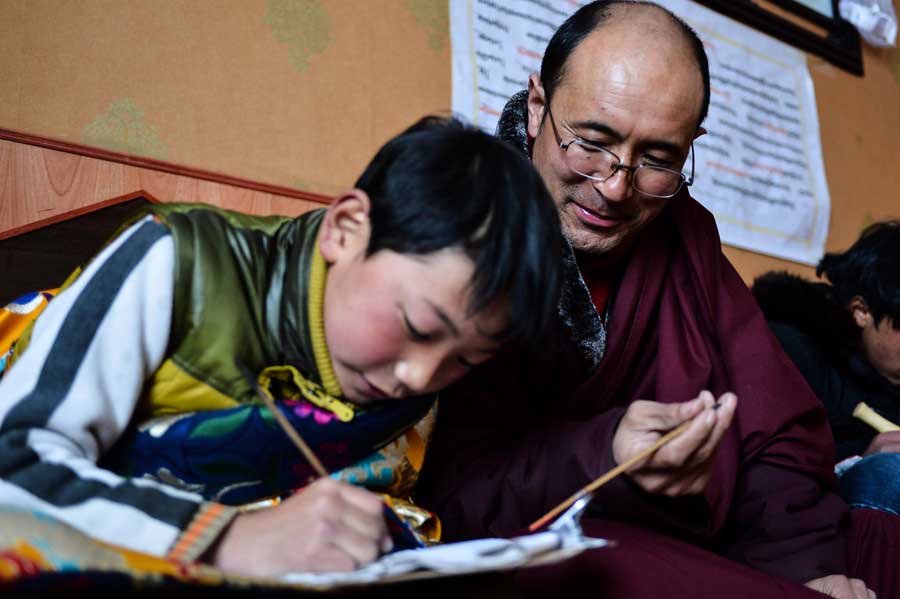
<point x="521" y="434"/>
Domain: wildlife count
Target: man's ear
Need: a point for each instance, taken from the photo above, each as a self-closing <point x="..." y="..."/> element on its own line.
<point x="346" y="227"/>
<point x="860" y="311"/>
<point x="536" y="105"/>
<point x="700" y="133"/>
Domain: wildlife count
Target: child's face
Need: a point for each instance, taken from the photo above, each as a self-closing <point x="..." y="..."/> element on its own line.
<point x="396" y="324"/>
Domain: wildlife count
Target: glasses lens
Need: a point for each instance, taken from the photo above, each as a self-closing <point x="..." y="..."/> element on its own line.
<point x="591" y="161"/>
<point x="657" y="181"/>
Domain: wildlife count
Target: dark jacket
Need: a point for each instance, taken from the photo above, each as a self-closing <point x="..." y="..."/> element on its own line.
<point x="822" y="340"/>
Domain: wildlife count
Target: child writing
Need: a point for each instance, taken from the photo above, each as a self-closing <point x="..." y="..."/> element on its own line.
<point x="127" y="417"/>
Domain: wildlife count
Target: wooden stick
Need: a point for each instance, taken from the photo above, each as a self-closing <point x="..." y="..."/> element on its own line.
<point x="285" y="424"/>
<point x="596" y="484"/>
<point x="873" y="418"/>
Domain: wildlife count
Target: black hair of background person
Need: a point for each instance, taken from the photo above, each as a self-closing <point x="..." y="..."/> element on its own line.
<point x="870" y="268"/>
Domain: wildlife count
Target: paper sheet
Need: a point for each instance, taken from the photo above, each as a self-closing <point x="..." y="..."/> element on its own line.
<point x="453" y="559"/>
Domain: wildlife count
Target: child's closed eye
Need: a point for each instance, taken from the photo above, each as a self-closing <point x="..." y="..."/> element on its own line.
<point x="414" y="333"/>
<point x="466" y="363"/>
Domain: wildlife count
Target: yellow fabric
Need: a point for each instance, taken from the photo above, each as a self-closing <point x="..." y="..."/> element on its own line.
<point x="425" y="524"/>
<point x="15" y="319"/>
<point x="294" y="385"/>
<point x="174" y="391"/>
<point x="25" y="337"/>
<point x="316" y="316"/>
<point x="415" y="449"/>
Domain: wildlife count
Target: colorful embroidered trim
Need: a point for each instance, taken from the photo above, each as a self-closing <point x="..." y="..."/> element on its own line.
<point x="207" y="525"/>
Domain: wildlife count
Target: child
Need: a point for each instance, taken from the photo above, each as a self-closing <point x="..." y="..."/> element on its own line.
<point x="128" y="419"/>
<point x="844" y="337"/>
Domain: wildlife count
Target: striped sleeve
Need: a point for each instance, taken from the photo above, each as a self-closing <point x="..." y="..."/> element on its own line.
<point x="71" y="395"/>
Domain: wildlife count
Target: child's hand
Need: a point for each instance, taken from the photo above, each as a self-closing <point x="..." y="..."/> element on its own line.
<point x="329" y="526"/>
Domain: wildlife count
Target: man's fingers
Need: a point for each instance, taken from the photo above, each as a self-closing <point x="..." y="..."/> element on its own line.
<point x="724" y="415"/>
<point x="841" y="587"/>
<point x="660" y="417"/>
<point x="664" y="482"/>
<point x="677" y="452"/>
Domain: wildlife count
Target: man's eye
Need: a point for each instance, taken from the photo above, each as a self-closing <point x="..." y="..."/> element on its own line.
<point x="591" y="146"/>
<point x="466" y="363"/>
<point x="415" y="333"/>
<point x="654" y="161"/>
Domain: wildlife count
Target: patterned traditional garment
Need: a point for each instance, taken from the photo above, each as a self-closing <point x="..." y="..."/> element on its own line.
<point x="241" y="455"/>
<point x="31" y="545"/>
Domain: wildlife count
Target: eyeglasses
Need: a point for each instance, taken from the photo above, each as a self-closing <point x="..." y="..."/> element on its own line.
<point x="599" y="164"/>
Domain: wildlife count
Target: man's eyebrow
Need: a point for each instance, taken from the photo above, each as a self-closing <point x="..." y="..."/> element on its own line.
<point x="451" y="326"/>
<point x="599" y="127"/>
<point x="604" y="129"/>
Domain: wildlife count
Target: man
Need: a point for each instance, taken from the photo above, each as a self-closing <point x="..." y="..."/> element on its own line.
<point x="651" y="310"/>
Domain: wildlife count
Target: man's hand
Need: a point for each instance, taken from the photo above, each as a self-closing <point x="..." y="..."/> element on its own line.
<point x="885" y="443"/>
<point x="329" y="526"/>
<point x="683" y="465"/>
<point x="841" y="587"/>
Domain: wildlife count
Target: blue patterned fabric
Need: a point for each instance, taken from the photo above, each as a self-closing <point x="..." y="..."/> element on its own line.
<point x="241" y="455"/>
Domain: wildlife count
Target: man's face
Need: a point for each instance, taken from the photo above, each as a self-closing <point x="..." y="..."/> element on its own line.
<point x="397" y="324"/>
<point x="625" y="90"/>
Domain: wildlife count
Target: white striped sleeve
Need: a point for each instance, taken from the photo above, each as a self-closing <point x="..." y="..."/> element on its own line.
<point x="71" y="395"/>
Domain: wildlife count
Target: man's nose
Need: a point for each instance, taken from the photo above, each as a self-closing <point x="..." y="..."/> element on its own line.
<point x="617" y="187"/>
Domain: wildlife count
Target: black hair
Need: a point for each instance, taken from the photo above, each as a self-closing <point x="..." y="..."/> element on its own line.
<point x="593" y="16"/>
<point x="443" y="184"/>
<point x="869" y="269"/>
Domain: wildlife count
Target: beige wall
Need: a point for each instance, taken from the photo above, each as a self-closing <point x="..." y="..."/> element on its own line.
<point x="301" y="94"/>
<point x="291" y="93"/>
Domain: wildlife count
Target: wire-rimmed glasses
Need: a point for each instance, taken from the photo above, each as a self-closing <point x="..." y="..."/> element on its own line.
<point x="599" y="164"/>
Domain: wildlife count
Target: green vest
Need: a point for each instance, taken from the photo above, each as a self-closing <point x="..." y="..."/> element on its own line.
<point x="241" y="291"/>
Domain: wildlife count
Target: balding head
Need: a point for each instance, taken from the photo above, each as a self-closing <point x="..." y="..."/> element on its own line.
<point x="622" y="83"/>
<point x="639" y="27"/>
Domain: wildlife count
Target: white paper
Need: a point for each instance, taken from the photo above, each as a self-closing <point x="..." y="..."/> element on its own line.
<point x="759" y="168"/>
<point x="467" y="557"/>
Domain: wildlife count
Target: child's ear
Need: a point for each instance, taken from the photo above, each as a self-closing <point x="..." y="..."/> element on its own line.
<point x="346" y="227"/>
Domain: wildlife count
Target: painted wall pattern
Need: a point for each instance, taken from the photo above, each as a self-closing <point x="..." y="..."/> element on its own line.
<point x="123" y="128"/>
<point x="303" y="26"/>
<point x="434" y="17"/>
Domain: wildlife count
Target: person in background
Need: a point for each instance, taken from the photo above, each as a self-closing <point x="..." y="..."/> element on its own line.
<point x="844" y="336"/>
